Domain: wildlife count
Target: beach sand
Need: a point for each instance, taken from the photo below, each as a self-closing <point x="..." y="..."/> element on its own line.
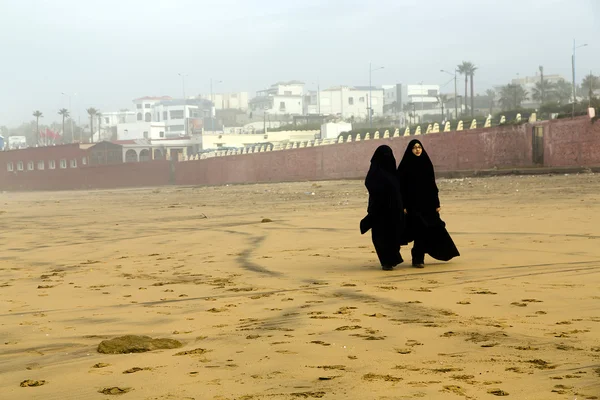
<point x="298" y="306"/>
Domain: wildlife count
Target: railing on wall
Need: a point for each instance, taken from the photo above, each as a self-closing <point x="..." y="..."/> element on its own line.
<point x="431" y="128"/>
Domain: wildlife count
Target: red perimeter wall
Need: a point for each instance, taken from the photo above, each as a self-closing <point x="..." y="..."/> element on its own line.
<point x="566" y="143"/>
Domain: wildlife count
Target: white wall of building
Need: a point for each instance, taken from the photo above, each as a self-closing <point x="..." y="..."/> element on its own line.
<point x="215" y="141"/>
<point x="332" y="130"/>
<point x="141" y="130"/>
<point x="349" y="102"/>
<point x="228" y="101"/>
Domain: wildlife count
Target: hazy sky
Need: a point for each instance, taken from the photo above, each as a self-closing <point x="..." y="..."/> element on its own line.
<point x="109" y="52"/>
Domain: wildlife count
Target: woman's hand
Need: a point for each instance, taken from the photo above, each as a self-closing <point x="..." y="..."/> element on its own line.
<point x="438" y="209"/>
<point x="405" y="211"/>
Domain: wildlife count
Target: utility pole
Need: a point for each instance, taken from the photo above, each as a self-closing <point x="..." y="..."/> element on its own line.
<point x="573" y="71"/>
<point x="370" y="102"/>
<point x="185" y="125"/>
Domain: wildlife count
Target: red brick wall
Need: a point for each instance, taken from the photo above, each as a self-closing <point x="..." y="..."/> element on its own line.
<point x="153" y="173"/>
<point x="566" y="143"/>
<point x="508" y="146"/>
<point x="572" y="142"/>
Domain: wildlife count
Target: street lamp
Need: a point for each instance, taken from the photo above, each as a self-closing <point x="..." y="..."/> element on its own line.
<point x="184" y="103"/>
<point x="455" y="92"/>
<point x="70" y="111"/>
<point x="212" y="107"/>
<point x="422" y="104"/>
<point x="370" y="104"/>
<point x="573" y="70"/>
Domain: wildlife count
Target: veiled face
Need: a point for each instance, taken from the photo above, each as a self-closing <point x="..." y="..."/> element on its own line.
<point x="417" y="149"/>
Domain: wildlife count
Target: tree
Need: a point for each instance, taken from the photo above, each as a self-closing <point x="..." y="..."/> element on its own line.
<point x="589" y="84"/>
<point x="492" y="96"/>
<point x="468" y="70"/>
<point x="563" y="91"/>
<point x="65" y="114"/>
<point x="37" y="114"/>
<point x="542" y="91"/>
<point x="511" y="96"/>
<point x="442" y="99"/>
<point x="92" y="113"/>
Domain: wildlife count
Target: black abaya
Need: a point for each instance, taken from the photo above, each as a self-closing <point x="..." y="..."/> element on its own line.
<point x="385" y="216"/>
<point x="420" y="195"/>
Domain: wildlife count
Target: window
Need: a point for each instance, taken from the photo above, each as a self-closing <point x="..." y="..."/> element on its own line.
<point x="233" y="95"/>
<point x="176" y="114"/>
<point x="287" y="92"/>
<point x="145" y="134"/>
<point x="41" y="165"/>
<point x="20" y="166"/>
<point x="148" y="117"/>
<point x="63" y="163"/>
<point x="146" y="105"/>
<point x="351" y="100"/>
<point x="432" y="92"/>
<point x="282" y="106"/>
<point x="83" y="160"/>
<point x="106" y="120"/>
<point x="165" y="115"/>
<point x="139" y="116"/>
<point x="174" y="128"/>
<point x="10" y="167"/>
<point x="30" y="166"/>
<point x="158" y="116"/>
<point x="139" y="106"/>
<point x="74" y="163"/>
<point x="51" y="164"/>
<point x="361" y="99"/>
<point x="161" y="134"/>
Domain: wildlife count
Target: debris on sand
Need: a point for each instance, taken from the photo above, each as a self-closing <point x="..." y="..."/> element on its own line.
<point x="136" y="344"/>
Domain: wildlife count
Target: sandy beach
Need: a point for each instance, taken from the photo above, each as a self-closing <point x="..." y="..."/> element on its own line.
<point x="274" y="294"/>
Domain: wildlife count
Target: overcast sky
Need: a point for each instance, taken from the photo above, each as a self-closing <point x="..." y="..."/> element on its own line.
<point x="109" y="52"/>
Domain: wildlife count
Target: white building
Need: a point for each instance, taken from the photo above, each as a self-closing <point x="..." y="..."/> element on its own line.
<point x="175" y="114"/>
<point x="228" y="101"/>
<point x="141" y="130"/>
<point x="143" y="106"/>
<point x="347" y="102"/>
<point x="422" y="100"/>
<point x="281" y="98"/>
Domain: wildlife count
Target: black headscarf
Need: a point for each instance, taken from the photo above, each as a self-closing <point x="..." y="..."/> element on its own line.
<point x="385" y="201"/>
<point x="417" y="179"/>
<point x="384" y="159"/>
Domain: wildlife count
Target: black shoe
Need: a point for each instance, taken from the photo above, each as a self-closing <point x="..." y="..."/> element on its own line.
<point x="418" y="264"/>
<point x="387" y="267"/>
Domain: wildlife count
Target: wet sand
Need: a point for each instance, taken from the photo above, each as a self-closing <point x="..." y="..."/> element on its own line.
<point x="299" y="307"/>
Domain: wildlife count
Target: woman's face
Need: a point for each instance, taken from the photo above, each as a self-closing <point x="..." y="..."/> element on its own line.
<point x="417" y="149"/>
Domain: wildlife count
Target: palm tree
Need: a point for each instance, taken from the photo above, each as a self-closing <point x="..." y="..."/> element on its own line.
<point x="443" y="99"/>
<point x="467" y="69"/>
<point x="92" y="113"/>
<point x="511" y="96"/>
<point x="471" y="73"/>
<point x="492" y="95"/>
<point x="563" y="91"/>
<point x="541" y="91"/>
<point x="37" y="114"/>
<point x="589" y="84"/>
<point x="65" y="114"/>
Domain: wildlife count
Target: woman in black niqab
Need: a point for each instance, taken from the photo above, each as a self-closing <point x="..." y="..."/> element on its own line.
<point x="385" y="215"/>
<point x="422" y="206"/>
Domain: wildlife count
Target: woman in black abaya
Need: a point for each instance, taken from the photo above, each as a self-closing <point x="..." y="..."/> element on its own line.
<point x="422" y="206"/>
<point x="385" y="215"/>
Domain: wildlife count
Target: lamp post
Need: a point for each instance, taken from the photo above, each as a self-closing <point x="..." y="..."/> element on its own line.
<point x="185" y="127"/>
<point x="573" y="71"/>
<point x="455" y="93"/>
<point x="212" y="107"/>
<point x="70" y="111"/>
<point x="370" y="104"/>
